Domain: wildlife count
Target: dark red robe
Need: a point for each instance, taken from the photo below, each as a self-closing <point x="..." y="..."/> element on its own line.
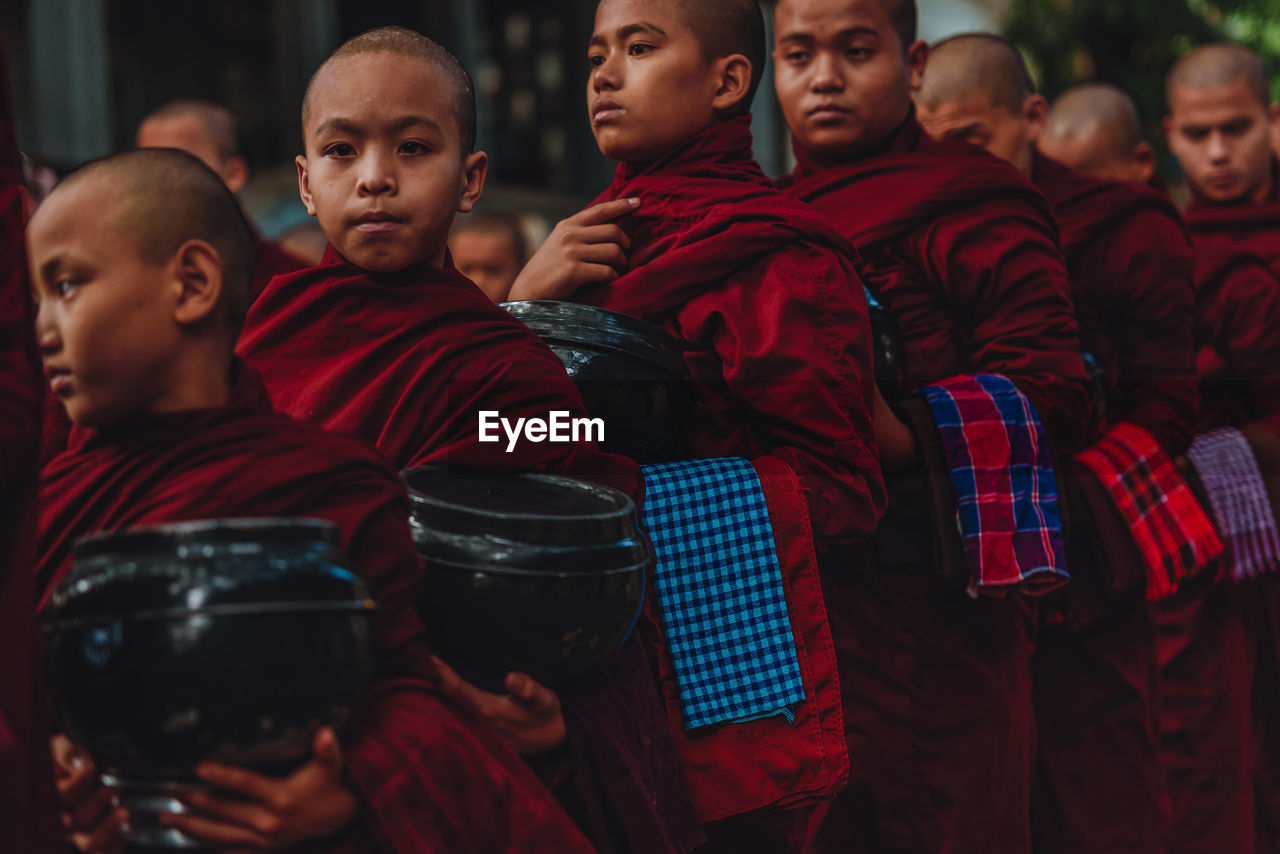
<point x="1223" y="646"/>
<point x="407" y="361"/>
<point x="1097" y="684"/>
<point x="766" y="297"/>
<point x="427" y="777"/>
<point x="964" y="251"/>
<point x="28" y="805"/>
<point x="271" y="260"/>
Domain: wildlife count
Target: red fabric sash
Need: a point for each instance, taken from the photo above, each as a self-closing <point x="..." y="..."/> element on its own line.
<point x="1174" y="534"/>
<point x="708" y="212"/>
<point x="407" y="361"/>
<point x="907" y="187"/>
<point x="1226" y="230"/>
<point x="736" y="768"/>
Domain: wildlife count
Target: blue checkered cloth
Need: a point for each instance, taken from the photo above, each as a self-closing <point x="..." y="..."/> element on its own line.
<point x="719" y="587"/>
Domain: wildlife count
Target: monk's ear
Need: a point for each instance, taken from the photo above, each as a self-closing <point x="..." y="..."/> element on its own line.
<point x="304" y="184"/>
<point x="1035" y="112"/>
<point x="733" y="79"/>
<point x="917" y="59"/>
<point x="236" y="173"/>
<point x="198" y="270"/>
<point x="474" y="170"/>
<point x="1144" y="159"/>
<point x="1169" y="132"/>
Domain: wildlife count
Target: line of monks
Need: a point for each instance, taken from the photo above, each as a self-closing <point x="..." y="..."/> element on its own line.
<point x="946" y="711"/>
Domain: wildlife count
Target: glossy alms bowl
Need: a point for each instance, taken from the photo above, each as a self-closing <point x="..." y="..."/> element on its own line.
<point x="629" y="372"/>
<point x="231" y="641"/>
<point x="533" y="573"/>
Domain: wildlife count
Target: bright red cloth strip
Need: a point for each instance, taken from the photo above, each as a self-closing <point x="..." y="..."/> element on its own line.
<point x="1174" y="534"/>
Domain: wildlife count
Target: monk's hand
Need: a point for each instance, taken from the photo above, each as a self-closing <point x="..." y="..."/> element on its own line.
<point x="252" y="812"/>
<point x="897" y="442"/>
<point x="91" y="815"/>
<point x="528" y="716"/>
<point x="587" y="248"/>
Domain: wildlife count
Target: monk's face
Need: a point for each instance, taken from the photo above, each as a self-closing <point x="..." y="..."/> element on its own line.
<point x="186" y="133"/>
<point x="105" y="322"/>
<point x="841" y="73"/>
<point x="651" y="85"/>
<point x="976" y="120"/>
<point x="384" y="170"/>
<point x="1093" y="152"/>
<point x="488" y="259"/>
<point x="1222" y="137"/>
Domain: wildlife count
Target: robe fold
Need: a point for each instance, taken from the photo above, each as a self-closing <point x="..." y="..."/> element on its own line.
<point x="1097" y="685"/>
<point x="424" y="774"/>
<point x="28" y="804"/>
<point x="767" y="299"/>
<point x="408" y="361"/>
<point x="963" y="250"/>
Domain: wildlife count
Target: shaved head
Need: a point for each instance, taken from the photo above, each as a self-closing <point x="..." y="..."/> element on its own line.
<point x="164" y="198"/>
<point x="726" y="27"/>
<point x="976" y="62"/>
<point x="1217" y="65"/>
<point x="218" y="123"/>
<point x="1096" y="108"/>
<point x="404" y="42"/>
<point x="904" y="17"/>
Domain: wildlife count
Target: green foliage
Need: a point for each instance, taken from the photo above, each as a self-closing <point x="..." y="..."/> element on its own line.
<point x="1132" y="43"/>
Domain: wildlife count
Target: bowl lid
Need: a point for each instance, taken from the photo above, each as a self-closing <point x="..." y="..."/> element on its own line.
<point x="529" y="508"/>
<point x="209" y="566"/>
<point x="602" y="329"/>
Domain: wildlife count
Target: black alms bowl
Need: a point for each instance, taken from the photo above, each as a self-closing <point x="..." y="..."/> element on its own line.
<point x="535" y="573"/>
<point x="231" y="641"/>
<point x="629" y="372"/>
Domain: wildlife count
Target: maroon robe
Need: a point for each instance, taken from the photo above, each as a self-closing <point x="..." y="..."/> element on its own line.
<point x="964" y="251"/>
<point x="28" y="805"/>
<point x="427" y="777"/>
<point x="406" y="361"/>
<point x="766" y="297"/>
<point x="1097" y="684"/>
<point x="271" y="260"/>
<point x="1223" y="647"/>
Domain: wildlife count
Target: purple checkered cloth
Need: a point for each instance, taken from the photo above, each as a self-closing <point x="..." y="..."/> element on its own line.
<point x="1238" y="497"/>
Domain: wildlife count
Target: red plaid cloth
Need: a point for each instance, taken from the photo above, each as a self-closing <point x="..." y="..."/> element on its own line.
<point x="1172" y="531"/>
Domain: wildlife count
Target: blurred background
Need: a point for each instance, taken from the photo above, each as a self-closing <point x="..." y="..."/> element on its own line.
<point x="88" y="71"/>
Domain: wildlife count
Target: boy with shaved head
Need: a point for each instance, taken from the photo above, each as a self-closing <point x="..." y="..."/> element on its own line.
<point x="1221" y="126"/>
<point x="1096" y="130"/>
<point x="142" y="267"/>
<point x="209" y="132"/>
<point x="386" y="340"/>
<point x="765" y="296"/>
<point x="962" y="249"/>
<point x="1097" y="693"/>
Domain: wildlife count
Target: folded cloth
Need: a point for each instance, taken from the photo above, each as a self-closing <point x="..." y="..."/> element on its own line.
<point x="1229" y="470"/>
<point x="1006" y="492"/>
<point x="719" y="589"/>
<point x="1174" y="535"/>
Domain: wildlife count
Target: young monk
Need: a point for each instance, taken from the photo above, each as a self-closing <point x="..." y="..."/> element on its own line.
<point x="961" y="248"/>
<point x="767" y="301"/>
<point x="1096" y="685"/>
<point x="28" y="820"/>
<point x="387" y="341"/>
<point x="209" y="132"/>
<point x="1221" y="124"/>
<point x="490" y="251"/>
<point x="142" y="265"/>
<point x="1095" y="129"/>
